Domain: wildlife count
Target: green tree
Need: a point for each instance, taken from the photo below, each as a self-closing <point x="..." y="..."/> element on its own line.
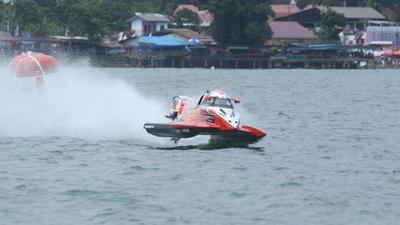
<point x="5" y="15"/>
<point x="240" y="22"/>
<point x="328" y="2"/>
<point x="30" y="16"/>
<point x="186" y="16"/>
<point x="301" y="4"/>
<point x="93" y="18"/>
<point x="115" y="13"/>
<point x="86" y="20"/>
<point x="330" y="24"/>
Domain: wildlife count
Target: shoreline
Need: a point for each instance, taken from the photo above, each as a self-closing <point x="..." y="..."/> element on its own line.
<point x="240" y="63"/>
<point x="227" y="63"/>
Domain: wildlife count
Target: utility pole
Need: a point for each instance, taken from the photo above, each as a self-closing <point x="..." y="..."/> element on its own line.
<point x="344" y="3"/>
<point x="12" y="24"/>
<point x="14" y="16"/>
<point x="9" y="14"/>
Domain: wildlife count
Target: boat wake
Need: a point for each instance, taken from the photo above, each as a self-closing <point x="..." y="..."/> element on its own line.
<point x="77" y="102"/>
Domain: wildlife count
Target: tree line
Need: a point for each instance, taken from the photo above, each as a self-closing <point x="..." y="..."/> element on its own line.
<point x="77" y="17"/>
<point x="235" y="21"/>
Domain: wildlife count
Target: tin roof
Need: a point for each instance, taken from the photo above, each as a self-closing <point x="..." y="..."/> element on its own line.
<point x="314" y="14"/>
<point x="290" y="29"/>
<point x="356" y="12"/>
<point x="150" y="17"/>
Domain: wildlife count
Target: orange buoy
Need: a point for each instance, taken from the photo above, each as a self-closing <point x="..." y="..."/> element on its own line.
<point x="32" y="64"/>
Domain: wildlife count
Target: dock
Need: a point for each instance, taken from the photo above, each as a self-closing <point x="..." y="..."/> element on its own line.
<point x="235" y="63"/>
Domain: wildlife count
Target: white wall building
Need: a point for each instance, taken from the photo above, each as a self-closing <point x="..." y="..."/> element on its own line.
<point x="147" y="23"/>
<point x="382" y="32"/>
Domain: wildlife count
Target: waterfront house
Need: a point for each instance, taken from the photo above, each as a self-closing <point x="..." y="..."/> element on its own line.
<point x="155" y="51"/>
<point x="167" y="40"/>
<point x="168" y="48"/>
<point x="198" y="45"/>
<point x="290" y="32"/>
<point x="383" y="33"/>
<point x="72" y="45"/>
<point x="147" y="23"/>
<point x="205" y="16"/>
<point x="356" y="17"/>
<point x="12" y="45"/>
<point x="110" y="45"/>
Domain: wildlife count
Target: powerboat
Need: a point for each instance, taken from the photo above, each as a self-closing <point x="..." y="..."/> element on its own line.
<point x="213" y="115"/>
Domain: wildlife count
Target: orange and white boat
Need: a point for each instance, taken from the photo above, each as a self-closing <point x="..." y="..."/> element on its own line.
<point x="214" y="115"/>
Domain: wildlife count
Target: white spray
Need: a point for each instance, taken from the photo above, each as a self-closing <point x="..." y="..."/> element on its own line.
<point x="74" y="103"/>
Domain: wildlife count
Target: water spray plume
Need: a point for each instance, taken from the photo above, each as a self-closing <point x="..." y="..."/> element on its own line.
<point x="74" y="102"/>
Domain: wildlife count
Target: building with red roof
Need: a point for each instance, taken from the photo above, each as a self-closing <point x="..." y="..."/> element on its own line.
<point x="290" y="32"/>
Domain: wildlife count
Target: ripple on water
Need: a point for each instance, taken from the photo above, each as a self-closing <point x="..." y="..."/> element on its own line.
<point x="81" y="192"/>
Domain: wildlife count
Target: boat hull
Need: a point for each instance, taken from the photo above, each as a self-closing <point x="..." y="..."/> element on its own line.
<point x="244" y="135"/>
<point x="167" y="130"/>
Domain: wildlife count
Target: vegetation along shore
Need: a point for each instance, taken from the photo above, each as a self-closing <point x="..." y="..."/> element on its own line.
<point x="206" y="33"/>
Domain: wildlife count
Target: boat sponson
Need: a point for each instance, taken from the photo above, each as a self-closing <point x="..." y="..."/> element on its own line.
<point x="244" y="135"/>
<point x="167" y="130"/>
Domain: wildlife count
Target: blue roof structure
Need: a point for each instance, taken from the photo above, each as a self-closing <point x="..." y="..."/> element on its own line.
<point x="165" y="41"/>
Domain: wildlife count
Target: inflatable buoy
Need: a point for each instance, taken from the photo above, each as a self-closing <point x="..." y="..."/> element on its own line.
<point x="32" y="64"/>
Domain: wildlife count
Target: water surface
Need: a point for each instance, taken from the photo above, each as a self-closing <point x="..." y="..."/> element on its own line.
<point x="75" y="152"/>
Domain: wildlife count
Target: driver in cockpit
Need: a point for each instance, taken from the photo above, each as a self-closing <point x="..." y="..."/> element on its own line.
<point x="202" y="97"/>
<point x="175" y="107"/>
